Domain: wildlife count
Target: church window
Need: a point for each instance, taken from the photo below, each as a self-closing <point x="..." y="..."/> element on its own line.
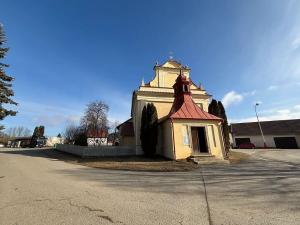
<point x="185" y="135"/>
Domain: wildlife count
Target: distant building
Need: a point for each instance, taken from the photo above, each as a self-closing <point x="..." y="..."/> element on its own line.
<point x="97" y="137"/>
<point x="52" y="141"/>
<point x="126" y="132"/>
<point x="25" y="142"/>
<point x="19" y="142"/>
<point x="185" y="126"/>
<point x="278" y="133"/>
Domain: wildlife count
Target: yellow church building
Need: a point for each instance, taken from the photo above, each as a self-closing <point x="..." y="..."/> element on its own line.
<point x="185" y="128"/>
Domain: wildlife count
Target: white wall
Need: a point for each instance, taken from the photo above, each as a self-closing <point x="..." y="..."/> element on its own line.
<point x="258" y="141"/>
<point x="51" y="141"/>
<point x="97" y="151"/>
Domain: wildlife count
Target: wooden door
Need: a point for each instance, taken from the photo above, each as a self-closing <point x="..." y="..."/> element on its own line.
<point x="195" y="140"/>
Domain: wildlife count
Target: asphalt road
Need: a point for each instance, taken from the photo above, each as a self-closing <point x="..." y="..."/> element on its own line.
<point x="36" y="188"/>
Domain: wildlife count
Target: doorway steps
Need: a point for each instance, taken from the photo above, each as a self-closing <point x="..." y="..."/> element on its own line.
<point x="204" y="159"/>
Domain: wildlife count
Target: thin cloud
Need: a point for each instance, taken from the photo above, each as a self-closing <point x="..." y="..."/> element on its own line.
<point x="297" y="107"/>
<point x="231" y="98"/>
<point x="284" y="111"/>
<point x="250" y="93"/>
<point x="273" y="87"/>
<point x="273" y="114"/>
<point x="56" y="120"/>
<point x="296" y="43"/>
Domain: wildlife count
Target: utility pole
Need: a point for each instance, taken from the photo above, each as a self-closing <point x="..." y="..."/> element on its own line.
<point x="261" y="131"/>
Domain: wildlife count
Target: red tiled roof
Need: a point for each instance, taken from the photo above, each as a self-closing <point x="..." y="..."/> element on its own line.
<point x="186" y="108"/>
<point x="92" y="133"/>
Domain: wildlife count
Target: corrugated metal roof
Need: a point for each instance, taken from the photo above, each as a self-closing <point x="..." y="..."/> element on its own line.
<point x="276" y="127"/>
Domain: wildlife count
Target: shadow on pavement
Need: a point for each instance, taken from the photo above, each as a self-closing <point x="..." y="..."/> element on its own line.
<point x="270" y="180"/>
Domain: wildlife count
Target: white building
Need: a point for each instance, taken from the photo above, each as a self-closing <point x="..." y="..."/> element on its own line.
<point x="278" y="134"/>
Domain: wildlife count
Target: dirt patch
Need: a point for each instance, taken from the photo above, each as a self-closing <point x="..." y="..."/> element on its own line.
<point x="237" y="157"/>
<point x="134" y="163"/>
<point x="139" y="164"/>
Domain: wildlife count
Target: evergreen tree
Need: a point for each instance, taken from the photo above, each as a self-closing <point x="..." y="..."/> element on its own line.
<point x="144" y="130"/>
<point x="213" y="108"/>
<point x="6" y="91"/>
<point x="41" y="131"/>
<point x="225" y="126"/>
<point x="149" y="129"/>
<point x="81" y="139"/>
<point x="153" y="129"/>
<point x="37" y="133"/>
<point x="34" y="137"/>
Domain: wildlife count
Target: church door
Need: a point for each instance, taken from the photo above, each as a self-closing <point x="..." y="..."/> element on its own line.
<point x="195" y="140"/>
<point x="199" y="140"/>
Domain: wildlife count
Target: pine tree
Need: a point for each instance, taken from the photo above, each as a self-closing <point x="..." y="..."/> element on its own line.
<point x="213" y="108"/>
<point x="144" y="130"/>
<point x="34" y="137"/>
<point x="152" y="126"/>
<point x="6" y="91"/>
<point x="81" y="139"/>
<point x="41" y="131"/>
<point x="149" y="129"/>
<point x="37" y="133"/>
<point x="225" y="126"/>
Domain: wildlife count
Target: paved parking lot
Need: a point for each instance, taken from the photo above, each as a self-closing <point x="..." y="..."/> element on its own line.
<point x="263" y="190"/>
<point x="36" y="188"/>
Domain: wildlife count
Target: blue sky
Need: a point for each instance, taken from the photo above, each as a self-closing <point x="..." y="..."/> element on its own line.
<point x="65" y="54"/>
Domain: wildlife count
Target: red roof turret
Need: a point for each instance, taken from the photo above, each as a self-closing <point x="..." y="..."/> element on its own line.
<point x="183" y="106"/>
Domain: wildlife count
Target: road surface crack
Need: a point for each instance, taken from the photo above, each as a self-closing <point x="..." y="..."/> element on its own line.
<point x="210" y="222"/>
<point x="85" y="207"/>
<point x="90" y="209"/>
<point x="34" y="200"/>
<point x="106" y="218"/>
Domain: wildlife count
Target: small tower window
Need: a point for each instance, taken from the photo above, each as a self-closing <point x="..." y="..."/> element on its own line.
<point x="185" y="88"/>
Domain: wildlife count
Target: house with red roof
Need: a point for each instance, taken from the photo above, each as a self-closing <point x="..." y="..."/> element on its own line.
<point x="185" y="128"/>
